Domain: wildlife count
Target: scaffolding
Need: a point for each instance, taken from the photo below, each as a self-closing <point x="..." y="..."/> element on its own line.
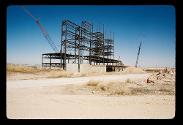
<point x="80" y="44"/>
<point x="109" y="49"/>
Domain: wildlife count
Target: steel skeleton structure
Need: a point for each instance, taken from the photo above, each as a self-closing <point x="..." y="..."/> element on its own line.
<point x="80" y="44"/>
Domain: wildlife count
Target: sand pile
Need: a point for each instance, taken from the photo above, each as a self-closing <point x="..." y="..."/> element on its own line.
<point x="133" y="70"/>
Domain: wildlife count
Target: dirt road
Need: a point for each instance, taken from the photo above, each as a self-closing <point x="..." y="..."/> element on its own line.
<point x="77" y="80"/>
<point x="41" y="99"/>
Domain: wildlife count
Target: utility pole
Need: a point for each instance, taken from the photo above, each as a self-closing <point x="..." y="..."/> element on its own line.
<point x="138" y="54"/>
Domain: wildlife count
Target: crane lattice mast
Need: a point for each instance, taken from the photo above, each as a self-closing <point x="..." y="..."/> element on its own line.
<point x="45" y="33"/>
<point x="138" y="53"/>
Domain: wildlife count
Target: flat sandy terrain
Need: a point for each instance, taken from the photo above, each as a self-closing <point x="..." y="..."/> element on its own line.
<point x="70" y="98"/>
<point x="76" y="80"/>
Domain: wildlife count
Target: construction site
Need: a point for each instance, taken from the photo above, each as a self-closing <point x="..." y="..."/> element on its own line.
<point x="81" y="76"/>
<point x="83" y="48"/>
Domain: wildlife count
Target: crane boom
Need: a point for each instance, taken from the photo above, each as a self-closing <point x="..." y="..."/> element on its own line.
<point x="138" y="54"/>
<point x="45" y="33"/>
<point x="29" y="13"/>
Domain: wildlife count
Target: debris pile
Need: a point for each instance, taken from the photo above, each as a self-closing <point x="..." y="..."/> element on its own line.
<point x="164" y="75"/>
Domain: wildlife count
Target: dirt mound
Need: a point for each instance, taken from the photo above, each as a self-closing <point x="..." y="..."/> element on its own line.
<point x="133" y="70"/>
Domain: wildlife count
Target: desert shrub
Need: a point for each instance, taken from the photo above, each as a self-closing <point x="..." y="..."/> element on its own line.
<point x="128" y="81"/>
<point x="140" y="90"/>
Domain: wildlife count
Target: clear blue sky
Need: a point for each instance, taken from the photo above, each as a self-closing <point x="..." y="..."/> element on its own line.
<point x="153" y="24"/>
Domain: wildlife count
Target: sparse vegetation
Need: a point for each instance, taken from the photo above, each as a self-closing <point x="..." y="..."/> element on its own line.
<point x="11" y="68"/>
<point x="58" y="74"/>
<point x="38" y="72"/>
<point x="128" y="81"/>
<point x="93" y="83"/>
<point x="140" y="90"/>
<point x="163" y="82"/>
<point x="129" y="88"/>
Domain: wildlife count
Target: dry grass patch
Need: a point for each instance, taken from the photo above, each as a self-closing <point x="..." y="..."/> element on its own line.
<point x="21" y="69"/>
<point x="93" y="83"/>
<point x="119" y="89"/>
<point x="128" y="81"/>
<point x="37" y="72"/>
<point x="166" y="91"/>
<point x="58" y="74"/>
<point x="140" y="90"/>
<point x="129" y="87"/>
<point x="110" y="88"/>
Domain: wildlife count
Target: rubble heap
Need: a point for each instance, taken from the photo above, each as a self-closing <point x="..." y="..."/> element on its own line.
<point x="165" y="75"/>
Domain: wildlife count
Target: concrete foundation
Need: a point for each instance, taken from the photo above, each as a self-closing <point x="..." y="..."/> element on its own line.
<point x="84" y="68"/>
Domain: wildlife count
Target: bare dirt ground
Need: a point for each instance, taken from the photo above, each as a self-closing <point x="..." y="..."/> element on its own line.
<point x="117" y="95"/>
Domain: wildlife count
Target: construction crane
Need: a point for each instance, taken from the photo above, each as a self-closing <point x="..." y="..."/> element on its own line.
<point x="45" y="33"/>
<point x="138" y="54"/>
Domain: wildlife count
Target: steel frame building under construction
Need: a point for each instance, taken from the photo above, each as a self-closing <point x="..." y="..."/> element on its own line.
<point x="81" y="44"/>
